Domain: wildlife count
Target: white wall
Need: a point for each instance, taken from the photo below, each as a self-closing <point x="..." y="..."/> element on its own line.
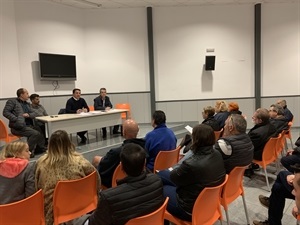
<point x="182" y="35"/>
<point x="281" y="49"/>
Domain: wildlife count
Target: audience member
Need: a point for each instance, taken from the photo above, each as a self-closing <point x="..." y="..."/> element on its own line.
<point x="282" y="189"/>
<point x="277" y="118"/>
<point x="287" y="113"/>
<point x="261" y="132"/>
<point x="296" y="191"/>
<point x="292" y="158"/>
<point x="136" y="195"/>
<point x="61" y="162"/>
<point x="204" y="168"/>
<point x="107" y="164"/>
<point x="20" y="117"/>
<point x="235" y="145"/>
<point x="102" y="102"/>
<point x="209" y="118"/>
<point x="221" y="113"/>
<point x="16" y="173"/>
<point x="39" y="110"/>
<point x="76" y="104"/>
<point x="233" y="108"/>
<point x="160" y="139"/>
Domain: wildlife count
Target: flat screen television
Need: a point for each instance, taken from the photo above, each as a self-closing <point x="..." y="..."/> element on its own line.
<point x="57" y="66"/>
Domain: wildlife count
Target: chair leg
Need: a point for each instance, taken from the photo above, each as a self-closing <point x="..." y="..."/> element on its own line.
<point x="267" y="180"/>
<point x="227" y="217"/>
<point x="246" y="210"/>
<point x="88" y="138"/>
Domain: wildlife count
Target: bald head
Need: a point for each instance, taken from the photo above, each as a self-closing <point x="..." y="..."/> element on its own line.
<point x="130" y="129"/>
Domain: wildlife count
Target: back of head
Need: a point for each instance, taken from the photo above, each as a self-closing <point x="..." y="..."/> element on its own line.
<point x="263" y="115"/>
<point x="233" y="106"/>
<point x="133" y="159"/>
<point x="210" y="111"/>
<point x="159" y="117"/>
<point x="221" y="106"/>
<point x="130" y="129"/>
<point x="239" y="123"/>
<point x="203" y="135"/>
<point x="60" y="147"/>
<point x="13" y="149"/>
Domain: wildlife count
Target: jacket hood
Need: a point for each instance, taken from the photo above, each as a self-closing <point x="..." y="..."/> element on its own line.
<point x="12" y="167"/>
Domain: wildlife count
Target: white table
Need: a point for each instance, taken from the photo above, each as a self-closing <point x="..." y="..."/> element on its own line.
<point x="73" y="123"/>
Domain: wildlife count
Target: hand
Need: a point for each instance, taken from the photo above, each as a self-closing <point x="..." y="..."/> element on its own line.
<point x="289" y="152"/>
<point x="79" y="111"/>
<point x="290" y="179"/>
<point x="25" y="115"/>
<point x="107" y="108"/>
<point x="84" y="110"/>
<point x="295" y="212"/>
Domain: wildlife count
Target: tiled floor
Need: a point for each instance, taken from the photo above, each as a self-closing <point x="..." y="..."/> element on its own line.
<point x="253" y="187"/>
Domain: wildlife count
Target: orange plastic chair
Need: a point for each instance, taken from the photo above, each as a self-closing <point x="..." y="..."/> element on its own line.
<point x="74" y="198"/>
<point x="268" y="156"/>
<point x="91" y="107"/>
<point x="27" y="211"/>
<point x="156" y="217"/>
<point x="206" y="210"/>
<point x="166" y="159"/>
<point x="124" y="106"/>
<point x="233" y="189"/>
<point x="118" y="174"/>
<point x="218" y="134"/>
<point x="5" y="135"/>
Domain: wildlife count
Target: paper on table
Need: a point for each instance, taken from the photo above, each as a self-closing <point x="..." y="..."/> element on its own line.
<point x="189" y="128"/>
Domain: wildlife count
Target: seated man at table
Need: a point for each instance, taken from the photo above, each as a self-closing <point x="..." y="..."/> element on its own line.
<point x="102" y="102"/>
<point x="20" y="117"/>
<point x="138" y="194"/>
<point x="76" y="104"/>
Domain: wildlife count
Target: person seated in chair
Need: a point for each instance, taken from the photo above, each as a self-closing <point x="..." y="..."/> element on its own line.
<point x="102" y="102"/>
<point x="277" y="118"/>
<point x="287" y="113"/>
<point x="138" y="194"/>
<point x="76" y="104"/>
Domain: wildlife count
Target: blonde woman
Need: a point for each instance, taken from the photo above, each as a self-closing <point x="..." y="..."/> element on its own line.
<point x="61" y="162"/>
<point x="16" y="173"/>
<point x="221" y="112"/>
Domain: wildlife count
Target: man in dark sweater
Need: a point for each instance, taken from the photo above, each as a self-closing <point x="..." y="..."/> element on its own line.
<point x="76" y="104"/>
<point x="107" y="164"/>
<point x="136" y="195"/>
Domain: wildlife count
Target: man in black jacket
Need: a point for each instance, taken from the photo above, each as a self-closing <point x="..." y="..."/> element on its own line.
<point x="136" y="195"/>
<point x="106" y="165"/>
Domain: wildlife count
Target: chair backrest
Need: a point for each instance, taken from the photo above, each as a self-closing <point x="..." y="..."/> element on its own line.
<point x="92" y="108"/>
<point x="27" y="211"/>
<point x="269" y="154"/>
<point x="166" y="159"/>
<point x="3" y="131"/>
<point x="156" y="217"/>
<point x="234" y="186"/>
<point x="74" y="198"/>
<point x="207" y="208"/>
<point x="218" y="134"/>
<point x="62" y="111"/>
<point x="124" y="106"/>
<point x="118" y="174"/>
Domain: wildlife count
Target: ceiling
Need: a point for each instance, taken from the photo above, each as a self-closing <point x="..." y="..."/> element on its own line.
<point x="109" y="4"/>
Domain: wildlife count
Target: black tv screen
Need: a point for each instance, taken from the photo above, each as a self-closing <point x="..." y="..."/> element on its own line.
<point x="57" y="66"/>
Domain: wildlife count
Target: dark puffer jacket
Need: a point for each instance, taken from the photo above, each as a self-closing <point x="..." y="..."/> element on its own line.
<point x="205" y="168"/>
<point x="236" y="150"/>
<point x="133" y="197"/>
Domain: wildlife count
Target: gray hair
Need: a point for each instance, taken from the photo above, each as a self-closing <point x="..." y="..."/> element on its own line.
<point x="239" y="122"/>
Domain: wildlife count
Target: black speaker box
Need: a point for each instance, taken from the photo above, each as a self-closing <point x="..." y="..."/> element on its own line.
<point x="210" y="62"/>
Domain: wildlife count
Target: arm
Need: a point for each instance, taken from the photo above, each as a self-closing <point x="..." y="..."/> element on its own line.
<point x="181" y="176"/>
<point x="85" y="106"/>
<point x="29" y="180"/>
<point x="102" y="214"/>
<point x="98" y="104"/>
<point x="7" y="111"/>
<point x="69" y="107"/>
<point x="88" y="168"/>
<point x="224" y="148"/>
<point x="108" y="102"/>
<point x="110" y="161"/>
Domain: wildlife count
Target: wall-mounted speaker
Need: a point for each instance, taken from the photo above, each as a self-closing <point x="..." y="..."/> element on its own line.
<point x="210" y="62"/>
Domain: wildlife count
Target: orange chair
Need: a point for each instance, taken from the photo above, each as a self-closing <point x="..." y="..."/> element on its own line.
<point x="156" y="217"/>
<point x="207" y="208"/>
<point x="74" y="198"/>
<point x="218" y="134"/>
<point x="91" y="107"/>
<point x="268" y="156"/>
<point x="124" y="106"/>
<point x="118" y="174"/>
<point x="27" y="211"/>
<point x="5" y="135"/>
<point x="166" y="159"/>
<point x="233" y="189"/>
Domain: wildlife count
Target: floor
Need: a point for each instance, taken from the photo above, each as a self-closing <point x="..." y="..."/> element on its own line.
<point x="253" y="187"/>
